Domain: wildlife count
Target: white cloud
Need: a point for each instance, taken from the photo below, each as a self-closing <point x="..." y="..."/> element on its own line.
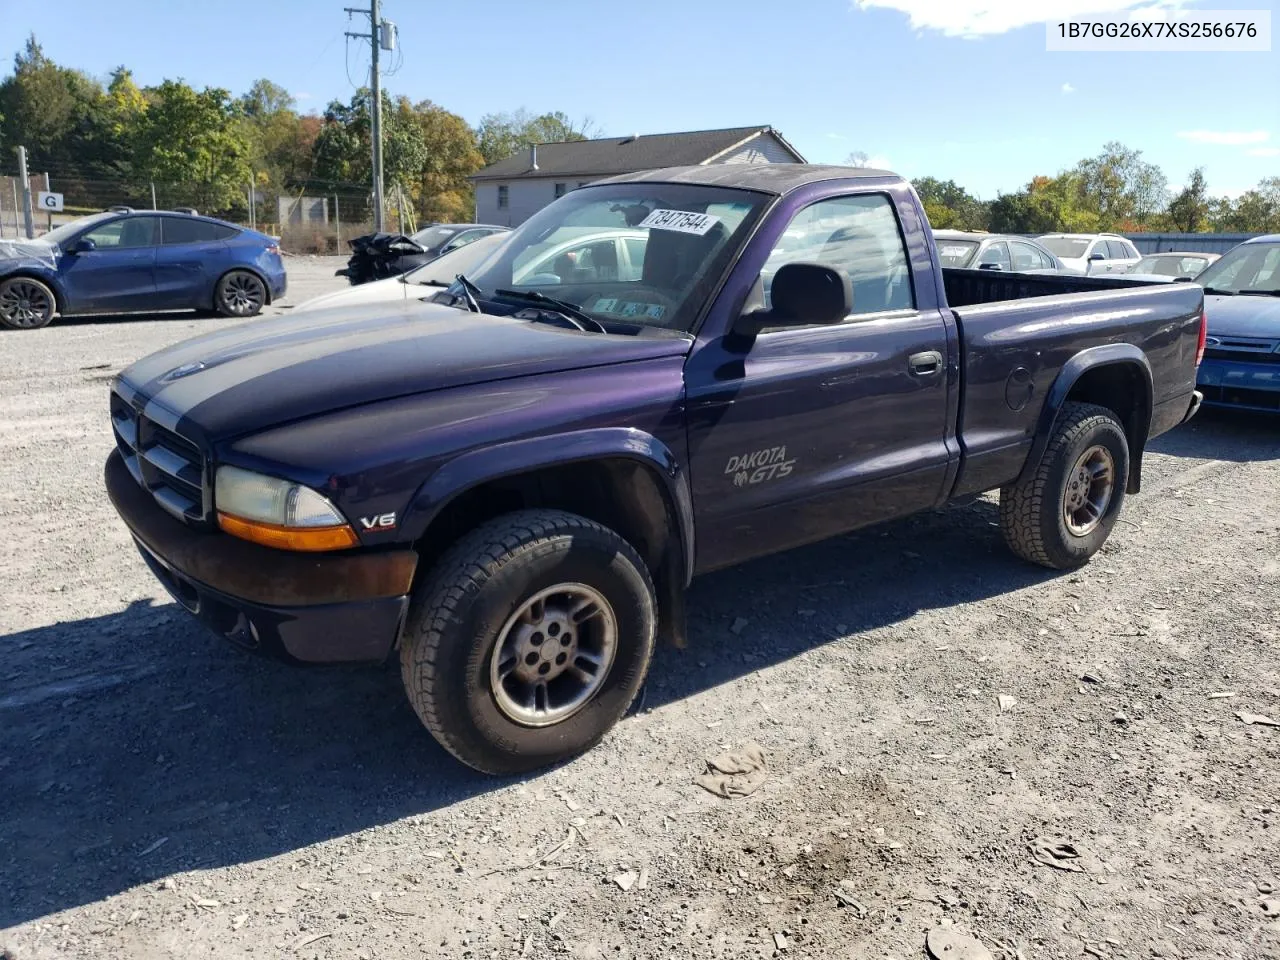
<point x="878" y="161"/>
<point x="1225" y="138"/>
<point x="980" y="18"/>
<point x="1068" y="88"/>
<point x="302" y="95"/>
<point x="1264" y="152"/>
<point x="836" y="136"/>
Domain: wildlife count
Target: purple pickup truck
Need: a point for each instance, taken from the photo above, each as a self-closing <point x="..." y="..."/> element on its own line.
<point x="510" y="485"/>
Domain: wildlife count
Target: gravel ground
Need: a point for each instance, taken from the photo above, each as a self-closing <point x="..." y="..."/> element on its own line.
<point x="166" y="796"/>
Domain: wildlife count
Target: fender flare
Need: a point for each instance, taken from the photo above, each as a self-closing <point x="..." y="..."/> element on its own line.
<point x="1092" y="358"/>
<point x="469" y="470"/>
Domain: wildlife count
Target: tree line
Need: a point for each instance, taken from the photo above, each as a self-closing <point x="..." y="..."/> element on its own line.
<point x="1116" y="191"/>
<point x="209" y="145"/>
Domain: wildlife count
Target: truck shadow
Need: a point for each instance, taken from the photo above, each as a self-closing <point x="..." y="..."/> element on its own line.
<point x="1237" y="435"/>
<point x="134" y="746"/>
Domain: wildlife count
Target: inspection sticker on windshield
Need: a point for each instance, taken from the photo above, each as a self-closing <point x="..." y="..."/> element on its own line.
<point x="682" y="221"/>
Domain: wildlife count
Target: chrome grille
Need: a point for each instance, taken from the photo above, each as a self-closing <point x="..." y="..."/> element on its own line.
<point x="1252" y="349"/>
<point x="169" y="466"/>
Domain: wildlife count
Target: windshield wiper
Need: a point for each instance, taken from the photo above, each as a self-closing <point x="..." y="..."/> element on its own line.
<point x="1260" y="293"/>
<point x="469" y="291"/>
<point x="581" y="318"/>
<point x="1220" y="292"/>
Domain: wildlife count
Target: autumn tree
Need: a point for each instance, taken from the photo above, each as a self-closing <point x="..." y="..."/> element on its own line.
<point x="1189" y="210"/>
<point x="502" y="134"/>
<point x="450" y="155"/>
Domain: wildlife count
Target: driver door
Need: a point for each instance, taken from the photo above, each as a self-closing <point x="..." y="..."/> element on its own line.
<point x="118" y="274"/>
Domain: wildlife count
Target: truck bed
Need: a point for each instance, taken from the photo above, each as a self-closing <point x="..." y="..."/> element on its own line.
<point x="966" y="288"/>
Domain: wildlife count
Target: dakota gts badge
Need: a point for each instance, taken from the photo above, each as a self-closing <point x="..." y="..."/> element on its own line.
<point x="751" y="468"/>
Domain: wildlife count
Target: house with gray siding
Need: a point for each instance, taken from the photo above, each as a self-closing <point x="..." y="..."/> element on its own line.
<point x="510" y="191"/>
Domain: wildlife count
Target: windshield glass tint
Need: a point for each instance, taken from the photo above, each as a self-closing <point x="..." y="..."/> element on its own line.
<point x="1248" y="268"/>
<point x="638" y="253"/>
<point x="956" y="253"/>
<point x="1064" y="246"/>
<point x="62" y="234"/>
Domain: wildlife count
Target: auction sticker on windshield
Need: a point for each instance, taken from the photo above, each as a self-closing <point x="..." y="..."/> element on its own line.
<point x="682" y="221"/>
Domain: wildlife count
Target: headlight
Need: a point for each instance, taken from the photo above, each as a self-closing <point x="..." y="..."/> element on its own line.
<point x="278" y="513"/>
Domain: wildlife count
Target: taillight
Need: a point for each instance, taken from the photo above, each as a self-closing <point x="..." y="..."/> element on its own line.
<point x="1204" y="334"/>
<point x="275" y="248"/>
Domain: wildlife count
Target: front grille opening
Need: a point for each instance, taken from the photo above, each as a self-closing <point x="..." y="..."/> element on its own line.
<point x="167" y="464"/>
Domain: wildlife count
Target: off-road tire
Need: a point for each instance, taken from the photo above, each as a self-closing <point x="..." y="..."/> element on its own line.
<point x="240" y="293"/>
<point x="458" y="611"/>
<point x="40" y="304"/>
<point x="1031" y="511"/>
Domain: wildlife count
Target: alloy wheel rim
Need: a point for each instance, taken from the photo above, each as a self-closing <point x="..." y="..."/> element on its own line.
<point x="25" y="305"/>
<point x="553" y="654"/>
<point x="242" y="295"/>
<point x="1090" y="486"/>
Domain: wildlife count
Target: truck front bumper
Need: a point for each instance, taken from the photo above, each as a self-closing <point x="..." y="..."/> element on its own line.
<point x="1240" y="384"/>
<point x="301" y="607"/>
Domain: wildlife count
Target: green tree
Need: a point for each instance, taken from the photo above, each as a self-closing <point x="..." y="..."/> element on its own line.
<point x="950" y="206"/>
<point x="1122" y="189"/>
<point x="192" y="142"/>
<point x="450" y="155"/>
<point x="1189" y="210"/>
<point x="343" y="149"/>
<point x="502" y="134"/>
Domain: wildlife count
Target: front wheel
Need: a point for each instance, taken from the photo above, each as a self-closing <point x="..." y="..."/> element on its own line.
<point x="529" y="640"/>
<point x="1061" y="515"/>
<point x="26" y="304"/>
<point x="240" y="294"/>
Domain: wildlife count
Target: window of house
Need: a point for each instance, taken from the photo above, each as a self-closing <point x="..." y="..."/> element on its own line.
<point x="504" y="196"/>
<point x="560" y="190"/>
<point x="858" y="235"/>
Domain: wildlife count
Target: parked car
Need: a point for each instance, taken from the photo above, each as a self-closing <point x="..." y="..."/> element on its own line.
<point x="1170" y="266"/>
<point x="1241" y="366"/>
<point x="417" y="284"/>
<point x="138" y="261"/>
<point x="512" y="497"/>
<point x="1091" y="253"/>
<point x="377" y="256"/>
<point x="994" y="251"/>
<point x="584" y="255"/>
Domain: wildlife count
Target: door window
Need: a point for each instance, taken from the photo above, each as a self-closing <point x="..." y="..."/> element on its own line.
<point x="180" y="230"/>
<point x="1027" y="257"/>
<point x="995" y="257"/>
<point x="124" y="233"/>
<point x="1118" y="250"/>
<point x="858" y="235"/>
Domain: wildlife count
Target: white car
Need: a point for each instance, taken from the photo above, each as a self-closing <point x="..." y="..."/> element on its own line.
<point x="582" y="255"/>
<point x="415" y="285"/>
<point x="1091" y="253"/>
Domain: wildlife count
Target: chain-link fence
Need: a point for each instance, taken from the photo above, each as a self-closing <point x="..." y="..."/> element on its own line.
<point x="316" y="217"/>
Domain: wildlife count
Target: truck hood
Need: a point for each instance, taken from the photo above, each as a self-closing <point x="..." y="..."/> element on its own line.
<point x="270" y="372"/>
<point x="1243" y="316"/>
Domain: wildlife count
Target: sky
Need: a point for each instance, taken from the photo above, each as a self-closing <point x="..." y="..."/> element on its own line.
<point x="956" y="89"/>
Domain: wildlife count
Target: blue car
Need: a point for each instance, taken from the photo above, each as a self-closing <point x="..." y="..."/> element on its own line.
<point x="125" y="262"/>
<point x="1241" y="366"/>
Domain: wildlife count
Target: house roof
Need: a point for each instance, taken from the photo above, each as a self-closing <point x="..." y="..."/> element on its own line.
<point x="615" y="155"/>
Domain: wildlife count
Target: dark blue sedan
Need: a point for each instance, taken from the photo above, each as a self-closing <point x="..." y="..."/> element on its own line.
<point x="125" y="262"/>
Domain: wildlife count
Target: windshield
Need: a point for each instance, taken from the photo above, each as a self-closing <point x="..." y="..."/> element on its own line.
<point x="62" y="234"/>
<point x="1248" y="268"/>
<point x="1170" y="266"/>
<point x="433" y="236"/>
<point x="639" y="254"/>
<point x="1068" y="247"/>
<point x="956" y="253"/>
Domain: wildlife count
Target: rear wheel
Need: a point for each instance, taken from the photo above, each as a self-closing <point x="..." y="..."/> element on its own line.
<point x="240" y="294"/>
<point x="529" y="640"/>
<point x="1062" y="514"/>
<point x="26" y="304"/>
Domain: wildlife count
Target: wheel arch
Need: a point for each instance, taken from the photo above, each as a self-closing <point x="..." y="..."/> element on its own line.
<point x="59" y="294"/>
<point x="1114" y="375"/>
<point x="624" y="478"/>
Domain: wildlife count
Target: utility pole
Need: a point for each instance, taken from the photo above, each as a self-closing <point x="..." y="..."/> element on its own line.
<point x="381" y="36"/>
<point x="26" y="193"/>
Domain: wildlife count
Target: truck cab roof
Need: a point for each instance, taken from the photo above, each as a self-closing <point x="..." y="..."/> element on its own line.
<point x="772" y="178"/>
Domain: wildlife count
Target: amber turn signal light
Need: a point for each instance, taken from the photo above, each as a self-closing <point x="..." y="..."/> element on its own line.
<point x="303" y="539"/>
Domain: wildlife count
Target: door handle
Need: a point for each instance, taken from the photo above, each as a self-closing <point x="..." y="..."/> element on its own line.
<point x="925" y="364"/>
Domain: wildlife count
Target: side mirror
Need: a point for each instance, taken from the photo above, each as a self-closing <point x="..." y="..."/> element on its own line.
<point x="802" y="294"/>
<point x="1096" y="256"/>
<point x="84" y="245"/>
<point x="990" y="266"/>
